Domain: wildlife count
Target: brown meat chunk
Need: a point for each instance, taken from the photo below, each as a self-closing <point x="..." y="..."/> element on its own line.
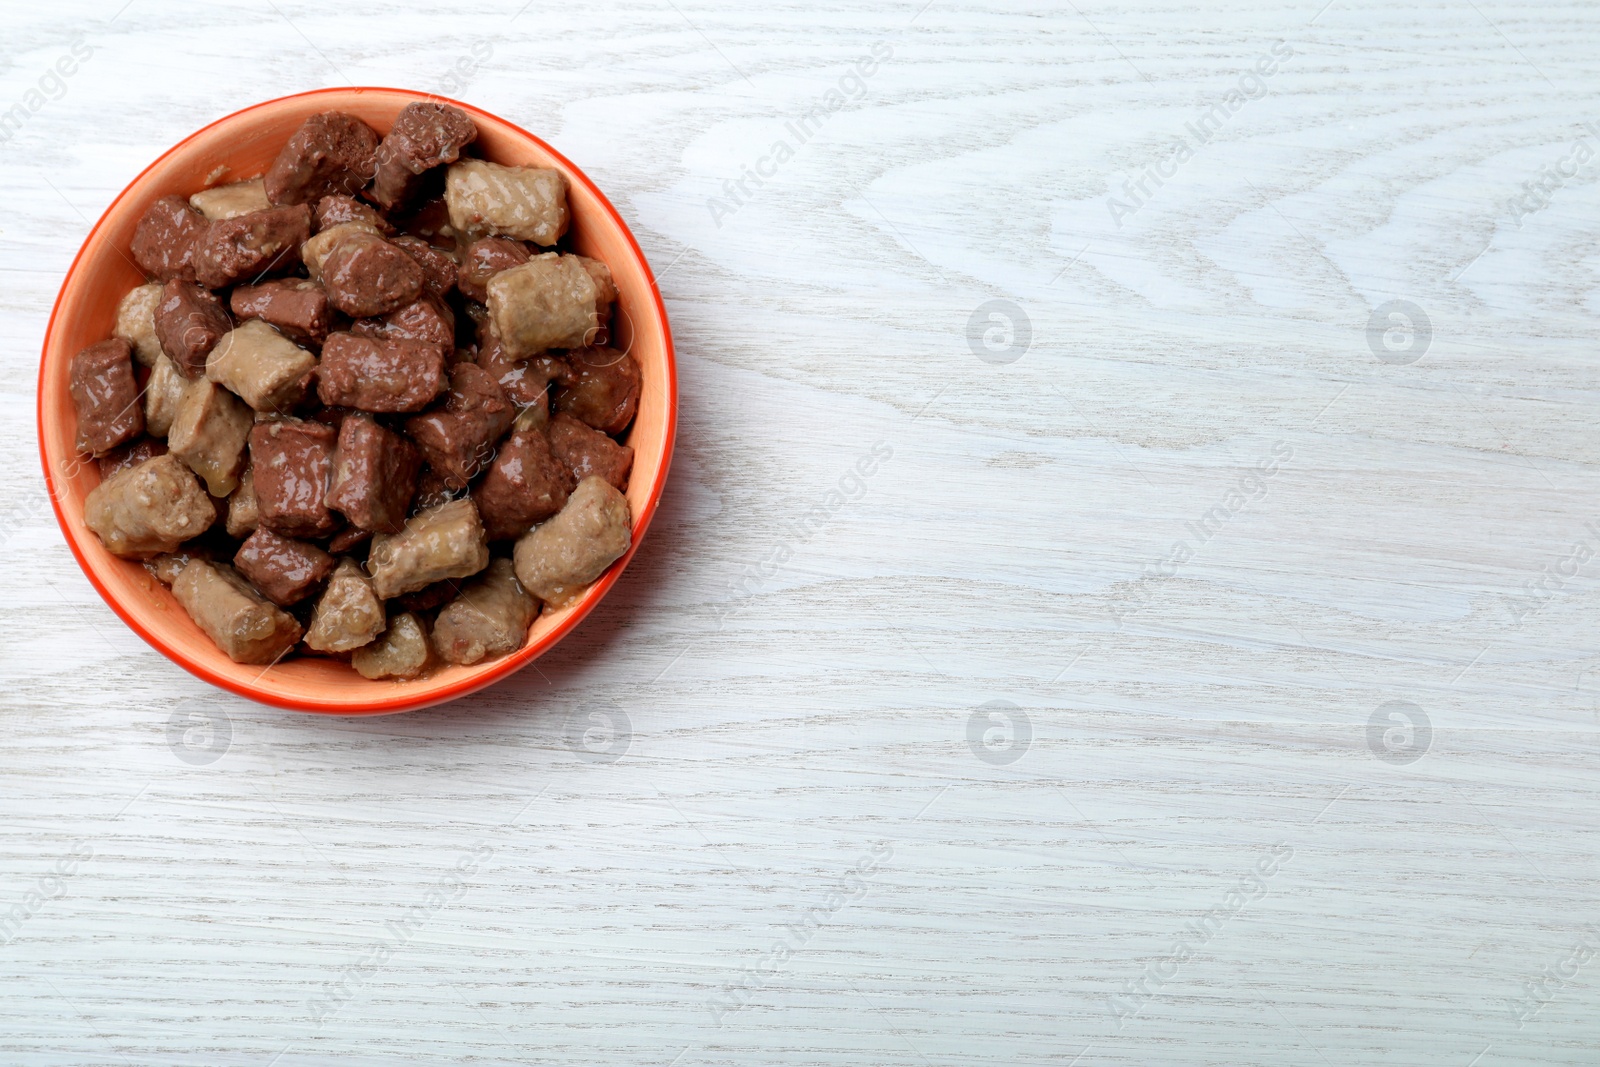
<point x="285" y="570"/>
<point x="424" y="136"/>
<point x="523" y="381"/>
<point x="427" y="319"/>
<point x="105" y="396"/>
<point x="136" y="323"/>
<point x="189" y="322"/>
<point x="458" y="440"/>
<point x="374" y="475"/>
<point x="209" y="433"/>
<point x="349" y="614"/>
<point x="551" y="301"/>
<point x="164" y="239"/>
<point x="586" y="451"/>
<point x="483" y="259"/>
<point x="334" y="210"/>
<point x="291" y="459"/>
<point x="296" y="306"/>
<point x="264" y="368"/>
<point x="231" y="200"/>
<point x="442" y="542"/>
<point x="438" y="268"/>
<point x="243" y="623"/>
<point x="330" y="153"/>
<point x="601" y="387"/>
<point x="489" y="618"/>
<point x="314" y="253"/>
<point x="248" y="246"/>
<point x="244" y="514"/>
<point x="379" y="375"/>
<point x="347" y="539"/>
<point x="528" y="203"/>
<point x="524" y="485"/>
<point x="149" y="509"/>
<point x="557" y="560"/>
<point x="366" y="275"/>
<point x="130" y="455"/>
<point x="402" y="651"/>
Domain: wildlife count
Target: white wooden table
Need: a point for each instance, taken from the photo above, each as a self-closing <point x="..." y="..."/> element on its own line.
<point x="1170" y="691"/>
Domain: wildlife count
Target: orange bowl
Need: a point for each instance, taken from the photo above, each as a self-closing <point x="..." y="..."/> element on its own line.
<point x="245" y="143"/>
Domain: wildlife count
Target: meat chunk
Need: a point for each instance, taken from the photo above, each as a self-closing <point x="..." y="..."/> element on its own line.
<point x="150" y="509"/>
<point x="374" y="475"/>
<point x="438" y="268"/>
<point x="209" y="432"/>
<point x="528" y="203"/>
<point x="424" y="136"/>
<point x="366" y="275"/>
<point x="458" y="441"/>
<point x="601" y="387"/>
<point x="551" y="301"/>
<point x="489" y="618"/>
<point x="231" y="200"/>
<point x="427" y="319"/>
<point x="246" y="626"/>
<point x="105" y="396"/>
<point x="348" y="539"/>
<point x="314" y="253"/>
<point x="291" y="459"/>
<point x="483" y="259"/>
<point x="442" y="542"/>
<point x="349" y="614"/>
<point x="558" y="559"/>
<point x="525" y="484"/>
<point x="296" y="306"/>
<point x="285" y="570"/>
<point x="379" y="375"/>
<point x="243" y="513"/>
<point x="248" y="246"/>
<point x="136" y="323"/>
<point x="586" y="451"/>
<point x="524" y="381"/>
<point x="189" y="323"/>
<point x="402" y="651"/>
<point x="162" y="395"/>
<point x="333" y="210"/>
<point x="164" y="239"/>
<point x="330" y="153"/>
<point x="264" y="368"/>
<point x="129" y="455"/>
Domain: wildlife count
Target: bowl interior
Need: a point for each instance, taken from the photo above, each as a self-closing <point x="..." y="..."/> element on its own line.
<point x="242" y="146"/>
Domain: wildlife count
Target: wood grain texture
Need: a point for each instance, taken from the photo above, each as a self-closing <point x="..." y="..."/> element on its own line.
<point x="812" y="847"/>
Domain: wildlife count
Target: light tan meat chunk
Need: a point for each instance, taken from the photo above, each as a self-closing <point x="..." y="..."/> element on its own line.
<point x="136" y="323"/>
<point x="231" y="200"/>
<point x="162" y="395"/>
<point x="210" y="433"/>
<point x="315" y="251"/>
<point x="247" y="626"/>
<point x="528" y="203"/>
<point x="489" y="618"/>
<point x="348" y="614"/>
<point x="556" y="560"/>
<point x="402" y="651"/>
<point x="551" y="301"/>
<point x="445" y="541"/>
<point x="244" y="514"/>
<point x="261" y="366"/>
<point x="150" y="509"/>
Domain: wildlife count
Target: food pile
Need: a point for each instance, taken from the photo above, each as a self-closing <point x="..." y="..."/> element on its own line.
<point x="364" y="406"/>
